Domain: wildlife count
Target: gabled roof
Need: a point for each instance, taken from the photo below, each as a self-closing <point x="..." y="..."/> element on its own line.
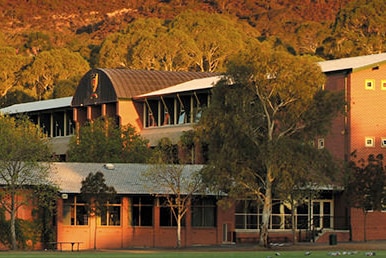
<point x="36" y="106"/>
<point x="126" y="178"/>
<point x="352" y="63"/>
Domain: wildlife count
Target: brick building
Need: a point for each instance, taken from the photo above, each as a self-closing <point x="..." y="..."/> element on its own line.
<point x="164" y="104"/>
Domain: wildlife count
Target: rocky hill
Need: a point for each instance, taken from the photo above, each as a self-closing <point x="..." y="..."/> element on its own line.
<point x="97" y="18"/>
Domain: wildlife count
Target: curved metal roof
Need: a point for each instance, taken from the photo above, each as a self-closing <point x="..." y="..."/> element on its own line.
<point x="114" y="84"/>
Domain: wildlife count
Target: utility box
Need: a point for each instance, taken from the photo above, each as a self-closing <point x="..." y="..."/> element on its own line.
<point x="333" y="239"/>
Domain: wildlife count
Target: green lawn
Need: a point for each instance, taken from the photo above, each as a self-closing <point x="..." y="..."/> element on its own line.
<point x="180" y="254"/>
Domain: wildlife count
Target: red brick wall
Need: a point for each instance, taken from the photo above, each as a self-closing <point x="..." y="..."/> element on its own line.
<point x="125" y="236"/>
<point x="375" y="225"/>
<point x="367" y="108"/>
<point x="335" y="141"/>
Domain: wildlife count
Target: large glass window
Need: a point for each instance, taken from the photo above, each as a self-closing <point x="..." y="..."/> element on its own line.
<point x="142" y="211"/>
<point x="204" y="212"/>
<point x="74" y="211"/>
<point x="177" y="109"/>
<point x="247" y="214"/>
<point x="167" y="219"/>
<point x="152" y="108"/>
<point x="111" y="216"/>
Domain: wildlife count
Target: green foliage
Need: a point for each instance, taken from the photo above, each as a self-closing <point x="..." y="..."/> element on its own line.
<point x="359" y="29"/>
<point x="165" y="152"/>
<point x="45" y="197"/>
<point x="65" y="88"/>
<point x="103" y="141"/>
<point x="23" y="232"/>
<point x="365" y="183"/>
<point x="50" y="67"/>
<point x="96" y="193"/>
<point x="38" y="41"/>
<point x="259" y="127"/>
<point x="10" y="67"/>
<point x="24" y="151"/>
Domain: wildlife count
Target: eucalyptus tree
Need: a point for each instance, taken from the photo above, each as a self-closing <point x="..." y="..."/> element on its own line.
<point x="50" y="67"/>
<point x="117" y="49"/>
<point x="217" y="37"/>
<point x="173" y="182"/>
<point x="365" y="186"/>
<point x="11" y="66"/>
<point x="271" y="105"/>
<point x="359" y="29"/>
<point x="24" y="153"/>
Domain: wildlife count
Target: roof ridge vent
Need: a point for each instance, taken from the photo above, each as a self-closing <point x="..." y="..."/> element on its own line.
<point x="109" y="166"/>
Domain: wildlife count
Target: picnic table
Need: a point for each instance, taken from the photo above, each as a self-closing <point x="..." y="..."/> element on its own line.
<point x="59" y="245"/>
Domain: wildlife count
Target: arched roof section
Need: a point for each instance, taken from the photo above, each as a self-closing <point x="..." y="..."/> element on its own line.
<point x="108" y="85"/>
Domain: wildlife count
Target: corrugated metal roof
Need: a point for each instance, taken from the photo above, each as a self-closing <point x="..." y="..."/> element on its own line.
<point x="126" y="178"/>
<point x="37" y="106"/>
<point x="115" y="84"/>
<point x="196" y="84"/>
<point x="352" y="63"/>
<point x="129" y="83"/>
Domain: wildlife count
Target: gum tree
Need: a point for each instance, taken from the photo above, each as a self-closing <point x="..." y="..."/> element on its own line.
<point x="173" y="182"/>
<point x="366" y="185"/>
<point x="23" y="148"/>
<point x="271" y="105"/>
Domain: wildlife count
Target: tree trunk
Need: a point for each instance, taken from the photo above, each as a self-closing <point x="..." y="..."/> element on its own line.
<point x="267" y="209"/>
<point x="364" y="226"/>
<point x="95" y="232"/>
<point x="293" y="222"/>
<point x="179" y="231"/>
<point x="13" y="222"/>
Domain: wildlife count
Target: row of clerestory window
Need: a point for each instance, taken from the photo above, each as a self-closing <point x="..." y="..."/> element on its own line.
<point x="174" y="110"/>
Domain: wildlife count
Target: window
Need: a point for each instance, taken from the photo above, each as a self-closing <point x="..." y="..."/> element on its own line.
<point x="281" y="215"/>
<point x="370" y="84"/>
<point x="151" y="110"/>
<point x="74" y="211"/>
<point x="204" y="212"/>
<point x="142" y="211"/>
<point x="369" y="142"/>
<point x="247" y="214"/>
<point x="167" y="219"/>
<point x="383" y="84"/>
<point x="383" y="142"/>
<point x="321" y="143"/>
<point x="112" y="215"/>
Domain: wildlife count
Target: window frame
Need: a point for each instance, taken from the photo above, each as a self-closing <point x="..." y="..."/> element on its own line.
<point x="108" y="215"/>
<point x="206" y="209"/>
<point x="369" y="142"/>
<point x="75" y="209"/>
<point x="142" y="208"/>
<point x="383" y="84"/>
<point x="370" y="82"/>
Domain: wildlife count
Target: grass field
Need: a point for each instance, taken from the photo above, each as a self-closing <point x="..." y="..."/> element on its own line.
<point x="182" y="254"/>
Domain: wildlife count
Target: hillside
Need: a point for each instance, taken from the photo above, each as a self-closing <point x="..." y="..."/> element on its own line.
<point x="97" y="18"/>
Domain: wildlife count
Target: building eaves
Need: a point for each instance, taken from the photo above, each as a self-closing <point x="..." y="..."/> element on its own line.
<point x="36" y="106"/>
<point x="352" y="63"/>
<point x="193" y="85"/>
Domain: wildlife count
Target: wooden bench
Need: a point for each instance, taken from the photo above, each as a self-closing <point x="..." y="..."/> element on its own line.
<point x="61" y="243"/>
<point x="278" y="240"/>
